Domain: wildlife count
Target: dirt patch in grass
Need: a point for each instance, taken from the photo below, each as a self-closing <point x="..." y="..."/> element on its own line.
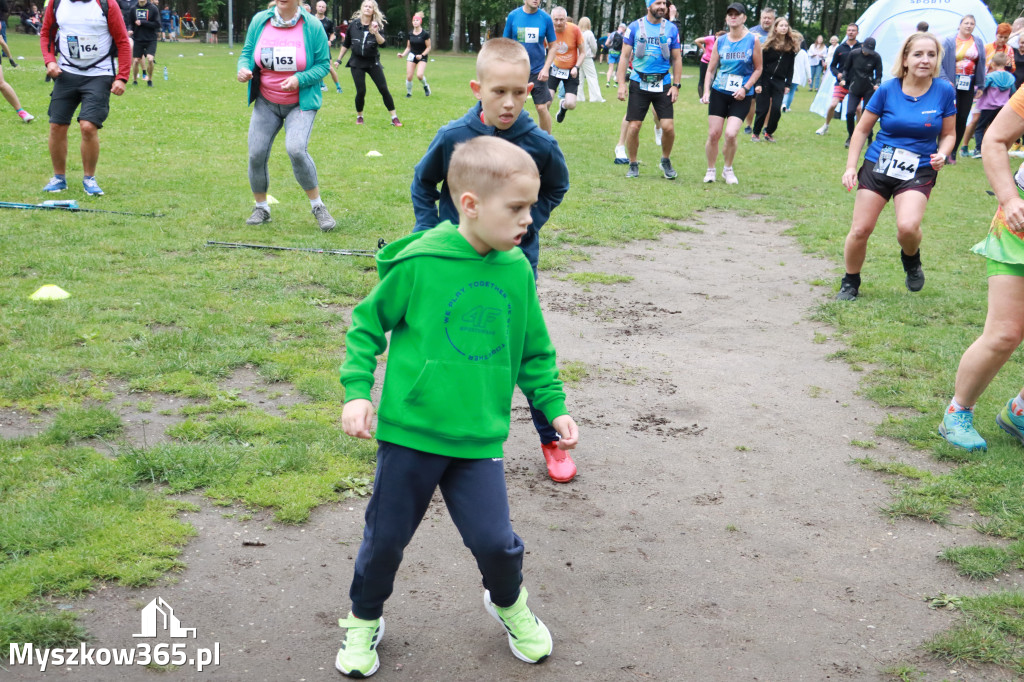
<point x="753" y="549"/>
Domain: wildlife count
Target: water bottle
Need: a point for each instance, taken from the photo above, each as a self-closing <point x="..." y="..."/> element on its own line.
<point x="165" y="73"/>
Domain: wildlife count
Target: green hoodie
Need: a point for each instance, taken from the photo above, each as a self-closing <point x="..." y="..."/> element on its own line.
<point x="465" y="329"/>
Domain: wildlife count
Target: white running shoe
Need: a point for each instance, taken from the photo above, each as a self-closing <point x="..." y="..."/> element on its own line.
<point x="657" y="135"/>
<point x="822" y="130"/>
<point x="621" y="157"/>
<point x="729" y="176"/>
<point x="710" y="175"/>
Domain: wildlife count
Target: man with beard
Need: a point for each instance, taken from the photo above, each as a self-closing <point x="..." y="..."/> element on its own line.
<point x="328" y="24"/>
<point x="652" y="43"/>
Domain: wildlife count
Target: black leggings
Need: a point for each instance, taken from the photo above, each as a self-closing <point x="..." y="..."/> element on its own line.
<point x="769" y="105"/>
<point x="858" y="96"/>
<point x="377" y="76"/>
<point x="964" y="100"/>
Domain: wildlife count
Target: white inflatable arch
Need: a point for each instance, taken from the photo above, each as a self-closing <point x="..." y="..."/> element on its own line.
<point x="890" y="21"/>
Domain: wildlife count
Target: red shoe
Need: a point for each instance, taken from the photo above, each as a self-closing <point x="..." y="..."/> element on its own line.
<point x="561" y="468"/>
<point x="359" y="120"/>
<point x="395" y="122"/>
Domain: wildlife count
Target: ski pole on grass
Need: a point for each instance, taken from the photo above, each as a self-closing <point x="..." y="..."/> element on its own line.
<point x="329" y="252"/>
<point x="72" y="205"/>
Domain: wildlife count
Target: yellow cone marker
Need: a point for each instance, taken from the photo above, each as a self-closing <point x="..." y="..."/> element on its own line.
<point x="272" y="200"/>
<point x="49" y="292"/>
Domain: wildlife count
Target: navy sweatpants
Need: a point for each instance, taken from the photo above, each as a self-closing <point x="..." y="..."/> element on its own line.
<point x="474" y="491"/>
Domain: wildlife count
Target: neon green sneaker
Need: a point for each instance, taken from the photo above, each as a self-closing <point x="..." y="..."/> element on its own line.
<point x="1010" y="422"/>
<point x="528" y="638"/>
<point x="357" y="656"/>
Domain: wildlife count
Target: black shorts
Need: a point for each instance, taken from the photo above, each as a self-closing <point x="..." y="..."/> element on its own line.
<point x="541" y="93"/>
<point x="641" y="100"/>
<point x="887" y="187"/>
<point x="142" y="47"/>
<point x="572" y="85"/>
<point x="70" y="90"/>
<point x="727" y="106"/>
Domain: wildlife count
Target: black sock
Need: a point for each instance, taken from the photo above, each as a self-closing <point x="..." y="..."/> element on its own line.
<point x="852" y="279"/>
<point x="910" y="262"/>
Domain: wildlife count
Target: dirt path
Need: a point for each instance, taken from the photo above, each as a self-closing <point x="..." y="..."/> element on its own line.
<point x="717" y="529"/>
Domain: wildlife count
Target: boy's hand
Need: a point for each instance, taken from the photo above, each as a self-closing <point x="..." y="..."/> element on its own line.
<point x="568" y="432"/>
<point x="357" y="418"/>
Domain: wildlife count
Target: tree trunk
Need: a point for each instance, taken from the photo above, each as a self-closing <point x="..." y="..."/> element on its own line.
<point x="473" y="26"/>
<point x="444" y="26"/>
<point x="408" y="14"/>
<point x="457" y="27"/>
<point x="433" y="21"/>
<point x="575" y="16"/>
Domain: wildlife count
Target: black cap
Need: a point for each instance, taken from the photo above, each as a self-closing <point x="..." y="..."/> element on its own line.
<point x="738" y="7"/>
<point x="869" y="44"/>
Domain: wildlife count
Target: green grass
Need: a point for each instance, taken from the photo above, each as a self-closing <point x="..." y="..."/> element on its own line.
<point x="154" y="310"/>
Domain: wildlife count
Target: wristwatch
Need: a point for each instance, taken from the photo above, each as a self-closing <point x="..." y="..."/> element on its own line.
<point x="677" y="86"/>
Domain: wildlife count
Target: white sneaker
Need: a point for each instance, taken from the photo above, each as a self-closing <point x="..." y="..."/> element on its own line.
<point x="822" y="130"/>
<point x="710" y="175"/>
<point x="657" y="135"/>
<point x="621" y="157"/>
<point x="729" y="177"/>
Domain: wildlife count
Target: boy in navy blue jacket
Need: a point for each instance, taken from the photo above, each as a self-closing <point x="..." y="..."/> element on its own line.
<point x="502" y="85"/>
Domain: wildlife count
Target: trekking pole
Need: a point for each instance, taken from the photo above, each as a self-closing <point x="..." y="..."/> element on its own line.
<point x="72" y="205"/>
<point x="329" y="252"/>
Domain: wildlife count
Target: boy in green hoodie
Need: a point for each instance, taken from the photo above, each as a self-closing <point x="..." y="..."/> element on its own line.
<point x="466" y="328"/>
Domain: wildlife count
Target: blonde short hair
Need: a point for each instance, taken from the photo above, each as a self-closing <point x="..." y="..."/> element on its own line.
<point x="483" y="164"/>
<point x="584" y="23"/>
<point x="899" y="70"/>
<point x="501" y="50"/>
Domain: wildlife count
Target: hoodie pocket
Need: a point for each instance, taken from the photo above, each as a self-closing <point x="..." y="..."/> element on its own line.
<point x="460" y="400"/>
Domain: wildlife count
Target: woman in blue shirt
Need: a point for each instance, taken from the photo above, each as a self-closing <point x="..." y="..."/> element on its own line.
<point x="734" y="68"/>
<point x="917" y="115"/>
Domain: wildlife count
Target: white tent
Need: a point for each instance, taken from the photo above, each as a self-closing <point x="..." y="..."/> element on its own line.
<point x="890" y="21"/>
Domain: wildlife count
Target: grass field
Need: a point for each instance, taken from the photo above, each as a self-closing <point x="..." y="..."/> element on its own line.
<point x="153" y="311"/>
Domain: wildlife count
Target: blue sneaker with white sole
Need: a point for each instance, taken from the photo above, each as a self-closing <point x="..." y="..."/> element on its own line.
<point x="958" y="429"/>
<point x="57" y="183"/>
<point x="91" y="187"/>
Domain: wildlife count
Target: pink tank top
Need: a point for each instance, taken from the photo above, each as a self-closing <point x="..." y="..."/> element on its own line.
<point x="280" y="54"/>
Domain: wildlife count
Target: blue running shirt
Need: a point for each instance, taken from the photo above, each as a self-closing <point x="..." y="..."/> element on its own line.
<point x="906" y="123"/>
<point x="531" y="30"/>
<point x="735" y="63"/>
<point x="652" y="61"/>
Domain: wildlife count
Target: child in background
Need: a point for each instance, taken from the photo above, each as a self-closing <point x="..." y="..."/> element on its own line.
<point x="466" y="328"/>
<point x="999" y="86"/>
<point x="502" y="85"/>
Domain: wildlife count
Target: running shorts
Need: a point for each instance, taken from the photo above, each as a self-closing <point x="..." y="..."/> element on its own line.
<point x="641" y="100"/>
<point x="995" y="267"/>
<point x="71" y="89"/>
<point x="572" y="85"/>
<point x="726" y="106"/>
<point x="613" y="56"/>
<point x="541" y="93"/>
<point x="887" y="187"/>
<point x="839" y="92"/>
<point x="144" y="47"/>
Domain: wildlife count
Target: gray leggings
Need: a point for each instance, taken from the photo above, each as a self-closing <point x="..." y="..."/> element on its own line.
<point x="267" y="119"/>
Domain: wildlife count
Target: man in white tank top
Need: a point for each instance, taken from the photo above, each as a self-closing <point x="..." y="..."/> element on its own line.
<point x="80" y="40"/>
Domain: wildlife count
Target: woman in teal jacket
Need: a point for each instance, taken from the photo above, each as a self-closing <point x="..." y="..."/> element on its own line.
<point x="285" y="57"/>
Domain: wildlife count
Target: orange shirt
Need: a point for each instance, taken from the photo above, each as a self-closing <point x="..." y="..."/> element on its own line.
<point x="990" y="50"/>
<point x="566" y="45"/>
<point x="1017" y="103"/>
